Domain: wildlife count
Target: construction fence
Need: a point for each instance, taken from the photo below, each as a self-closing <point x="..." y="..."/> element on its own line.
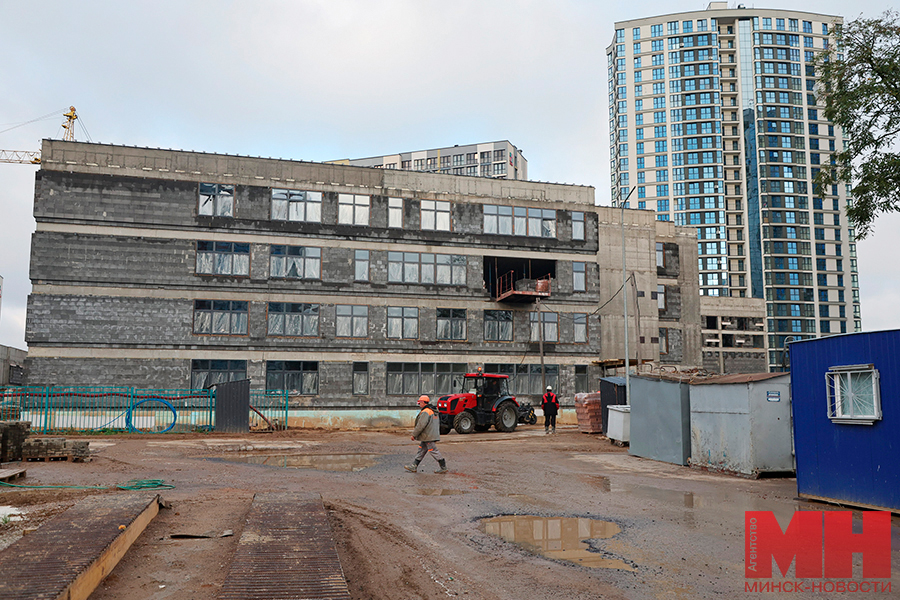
<point x="91" y="409"/>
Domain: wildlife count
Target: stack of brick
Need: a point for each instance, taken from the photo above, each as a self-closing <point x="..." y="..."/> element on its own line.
<point x="12" y="437"/>
<point x="55" y="447"/>
<point x="589" y="413"/>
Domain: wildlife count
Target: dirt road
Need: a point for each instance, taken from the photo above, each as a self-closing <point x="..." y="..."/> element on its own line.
<point x="655" y="530"/>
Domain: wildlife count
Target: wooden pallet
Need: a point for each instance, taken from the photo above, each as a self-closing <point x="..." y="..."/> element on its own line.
<point x="8" y="475"/>
<point x="60" y="458"/>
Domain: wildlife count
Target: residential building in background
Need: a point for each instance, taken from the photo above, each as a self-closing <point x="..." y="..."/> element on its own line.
<point x="349" y="287"/>
<point x="498" y="160"/>
<point x="715" y="123"/>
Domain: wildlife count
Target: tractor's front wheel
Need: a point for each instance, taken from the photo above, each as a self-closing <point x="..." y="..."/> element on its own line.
<point x="507" y="417"/>
<point x="464" y="422"/>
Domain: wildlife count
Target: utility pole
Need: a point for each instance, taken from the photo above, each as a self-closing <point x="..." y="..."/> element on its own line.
<point x="625" y="300"/>
<point x="540" y="318"/>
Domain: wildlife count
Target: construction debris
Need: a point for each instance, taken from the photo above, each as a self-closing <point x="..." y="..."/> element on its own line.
<point x="12" y="437"/>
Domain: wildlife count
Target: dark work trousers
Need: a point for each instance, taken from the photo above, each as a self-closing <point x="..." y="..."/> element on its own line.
<point x="549" y="421"/>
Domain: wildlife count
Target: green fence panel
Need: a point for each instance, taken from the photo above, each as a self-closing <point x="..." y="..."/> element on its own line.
<point x="271" y="409"/>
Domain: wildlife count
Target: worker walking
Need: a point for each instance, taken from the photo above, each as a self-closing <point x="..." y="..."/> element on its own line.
<point x="550" y="406"/>
<point x="427" y="432"/>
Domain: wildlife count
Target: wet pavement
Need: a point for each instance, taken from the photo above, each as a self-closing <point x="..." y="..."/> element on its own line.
<point x="520" y="516"/>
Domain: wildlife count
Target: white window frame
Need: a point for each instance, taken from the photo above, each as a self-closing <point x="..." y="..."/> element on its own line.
<point x="395" y="213"/>
<point x="839" y="381"/>
<point x="551" y="327"/>
<point x="353" y="209"/>
<point x="361" y="265"/>
<point x="435" y="215"/>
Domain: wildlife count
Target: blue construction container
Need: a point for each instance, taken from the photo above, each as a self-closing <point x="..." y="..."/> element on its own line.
<point x="846" y="402"/>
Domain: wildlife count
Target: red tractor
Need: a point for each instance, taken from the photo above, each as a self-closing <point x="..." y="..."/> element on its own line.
<point x="486" y="402"/>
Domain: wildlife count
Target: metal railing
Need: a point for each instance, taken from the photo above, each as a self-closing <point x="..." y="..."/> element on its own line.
<point x="85" y="409"/>
<point x="268" y="410"/>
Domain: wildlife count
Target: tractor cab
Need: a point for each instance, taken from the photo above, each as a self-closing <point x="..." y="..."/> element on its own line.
<point x="485" y="401"/>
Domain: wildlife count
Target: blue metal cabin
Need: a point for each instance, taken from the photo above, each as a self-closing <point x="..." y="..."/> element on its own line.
<point x="846" y="411"/>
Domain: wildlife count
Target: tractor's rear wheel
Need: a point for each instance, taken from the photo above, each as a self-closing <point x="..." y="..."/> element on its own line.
<point x="507" y="417"/>
<point x="464" y="422"/>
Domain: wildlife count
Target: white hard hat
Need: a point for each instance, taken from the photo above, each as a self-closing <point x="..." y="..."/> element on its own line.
<point x="549" y="387"/>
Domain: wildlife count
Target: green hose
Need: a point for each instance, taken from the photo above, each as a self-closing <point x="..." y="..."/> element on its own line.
<point x="134" y="484"/>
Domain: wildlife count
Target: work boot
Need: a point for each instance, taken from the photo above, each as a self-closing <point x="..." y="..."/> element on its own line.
<point x="546" y="431"/>
<point x="412" y="468"/>
<point x="443" y="469"/>
<point x="553" y="430"/>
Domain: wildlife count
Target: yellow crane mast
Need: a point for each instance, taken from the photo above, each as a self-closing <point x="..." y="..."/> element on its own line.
<point x="34" y="158"/>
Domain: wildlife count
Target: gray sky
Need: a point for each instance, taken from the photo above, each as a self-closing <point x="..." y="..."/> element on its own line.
<point x="326" y="79"/>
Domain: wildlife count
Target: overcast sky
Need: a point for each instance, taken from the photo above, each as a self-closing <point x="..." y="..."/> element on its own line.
<point x="327" y="79"/>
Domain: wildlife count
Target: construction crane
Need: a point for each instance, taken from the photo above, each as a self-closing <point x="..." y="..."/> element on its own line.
<point x="34" y="158"/>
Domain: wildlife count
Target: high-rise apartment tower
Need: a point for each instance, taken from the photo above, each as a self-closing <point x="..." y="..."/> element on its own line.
<point x="715" y="122"/>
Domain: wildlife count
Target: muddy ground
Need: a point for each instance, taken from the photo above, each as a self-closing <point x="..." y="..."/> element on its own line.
<point x="661" y="531"/>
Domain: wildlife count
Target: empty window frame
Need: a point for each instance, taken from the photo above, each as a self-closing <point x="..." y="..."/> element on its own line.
<point x="435" y="215"/>
<point x="663" y="340"/>
<point x="551" y="326"/>
<point x="296" y="205"/>
<point x="450" y="324"/>
<point x="577" y="225"/>
<point x="293" y="319"/>
<point x="580" y="328"/>
<point x="293" y="376"/>
<point x="216" y="200"/>
<point x="661" y="297"/>
<point x="351" y="321"/>
<point x="498" y="326"/>
<point x="579" y="276"/>
<point x="353" y="209"/>
<point x="402" y="322"/>
<point x="412" y="379"/>
<point x="582" y="383"/>
<point x="854" y="394"/>
<point x="205" y="373"/>
<point x="415" y="267"/>
<point x="395" y="213"/>
<point x="220" y="317"/>
<point x="660" y="256"/>
<point x="295" y="262"/>
<point x="223" y="258"/>
<point x="516" y="220"/>
<point x="360" y="378"/>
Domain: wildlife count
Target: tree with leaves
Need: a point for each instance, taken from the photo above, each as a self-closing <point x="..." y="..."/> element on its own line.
<point x="860" y="84"/>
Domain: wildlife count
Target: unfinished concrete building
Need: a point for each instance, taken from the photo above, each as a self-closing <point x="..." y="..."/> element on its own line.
<point x="351" y="287"/>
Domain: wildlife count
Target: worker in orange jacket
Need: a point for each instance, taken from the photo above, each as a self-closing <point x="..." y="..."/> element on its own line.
<point x="427" y="432"/>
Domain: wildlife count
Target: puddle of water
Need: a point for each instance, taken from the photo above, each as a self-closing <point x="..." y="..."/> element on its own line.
<point x="560" y="538"/>
<point x="435" y="492"/>
<point x="10" y="513"/>
<point x="687" y="499"/>
<point x="320" y="462"/>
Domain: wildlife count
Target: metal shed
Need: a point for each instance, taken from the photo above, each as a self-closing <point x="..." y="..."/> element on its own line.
<point x="612" y="393"/>
<point x="661" y="418"/>
<point x="742" y="423"/>
<point x="846" y="399"/>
